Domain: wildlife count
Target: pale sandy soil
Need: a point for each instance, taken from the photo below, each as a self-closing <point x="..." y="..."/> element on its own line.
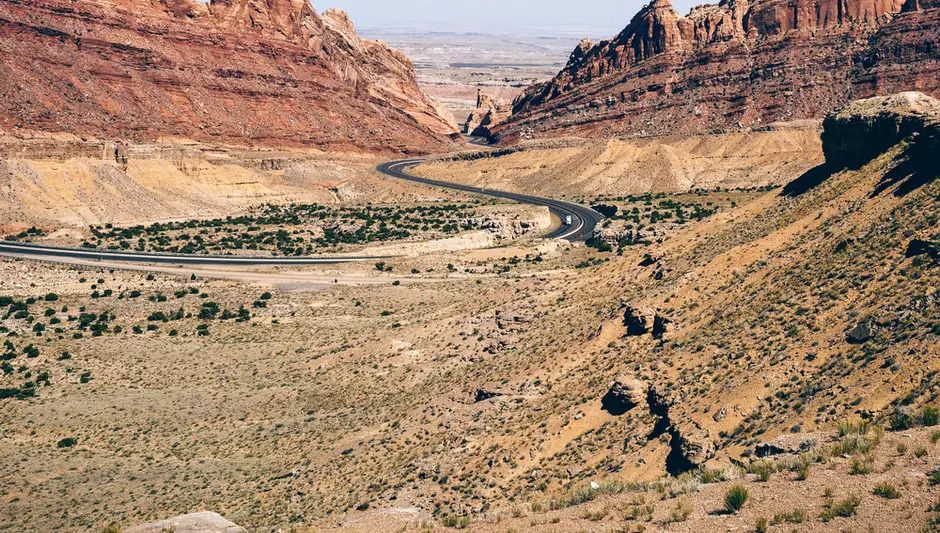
<point x="636" y="166"/>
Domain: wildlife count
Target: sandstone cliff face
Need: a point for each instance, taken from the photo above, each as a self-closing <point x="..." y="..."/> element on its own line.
<point x="258" y="72"/>
<point x="488" y="113"/>
<point x="734" y="65"/>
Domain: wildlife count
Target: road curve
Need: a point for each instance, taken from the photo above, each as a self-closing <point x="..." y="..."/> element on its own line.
<point x="584" y="219"/>
<point x="54" y="253"/>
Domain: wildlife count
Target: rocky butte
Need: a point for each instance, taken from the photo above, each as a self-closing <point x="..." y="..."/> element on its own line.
<point x="246" y="72"/>
<point x="734" y="65"/>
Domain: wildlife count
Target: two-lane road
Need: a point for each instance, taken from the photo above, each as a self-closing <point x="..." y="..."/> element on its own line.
<point x="583" y="222"/>
<point x="583" y="219"/>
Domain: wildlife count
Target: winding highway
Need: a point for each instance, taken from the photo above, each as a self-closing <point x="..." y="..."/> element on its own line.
<point x="583" y="219"/>
<point x="583" y="222"/>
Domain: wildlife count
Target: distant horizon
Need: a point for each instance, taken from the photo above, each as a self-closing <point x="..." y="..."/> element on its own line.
<point x="595" y="18"/>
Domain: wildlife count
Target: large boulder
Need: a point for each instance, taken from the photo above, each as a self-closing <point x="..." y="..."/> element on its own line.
<point x="626" y="393"/>
<point x="860" y="334"/>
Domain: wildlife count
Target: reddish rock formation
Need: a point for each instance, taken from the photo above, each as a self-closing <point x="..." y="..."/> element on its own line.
<point x="734" y="65"/>
<point x="259" y="72"/>
<point x="488" y="113"/>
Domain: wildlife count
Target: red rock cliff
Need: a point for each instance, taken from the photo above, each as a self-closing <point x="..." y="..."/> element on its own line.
<point x="735" y="64"/>
<point x="259" y="72"/>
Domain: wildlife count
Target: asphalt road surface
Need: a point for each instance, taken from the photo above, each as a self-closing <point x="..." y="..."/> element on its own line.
<point x="583" y="219"/>
<point x="52" y="253"/>
<point x="583" y="222"/>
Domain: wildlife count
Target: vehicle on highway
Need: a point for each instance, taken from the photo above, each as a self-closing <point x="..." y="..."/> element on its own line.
<point x="567" y="220"/>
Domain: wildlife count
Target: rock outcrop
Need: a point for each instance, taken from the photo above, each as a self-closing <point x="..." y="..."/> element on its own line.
<point x="856" y="133"/>
<point x="859" y="334"/>
<point x="625" y="394"/>
<point x="734" y="65"/>
<point x="248" y="72"/>
<point x="643" y="320"/>
<point x="204" y="522"/>
<point x="488" y="113"/>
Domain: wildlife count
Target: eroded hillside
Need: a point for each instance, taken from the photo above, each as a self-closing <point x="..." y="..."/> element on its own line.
<point x="467" y="388"/>
<point x="621" y="166"/>
<point x="272" y="73"/>
<point x="732" y="66"/>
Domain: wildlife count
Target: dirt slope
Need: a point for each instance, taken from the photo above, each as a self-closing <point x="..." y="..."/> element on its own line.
<point x="636" y="166"/>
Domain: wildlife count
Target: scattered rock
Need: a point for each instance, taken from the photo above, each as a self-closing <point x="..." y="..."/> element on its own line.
<point x="786" y="445"/>
<point x="642" y="320"/>
<point x="860" y="334"/>
<point x="481" y="395"/>
<point x="626" y="393"/>
<point x="648" y="261"/>
<point x="720" y="414"/>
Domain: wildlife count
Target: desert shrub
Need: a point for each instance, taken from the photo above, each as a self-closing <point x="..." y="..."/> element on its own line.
<point x="761" y="526"/>
<point x="899" y="420"/>
<point x="845" y="508"/>
<point x="595" y="515"/>
<point x="735" y="498"/>
<point x="930" y="416"/>
<point x="67" y="442"/>
<point x="681" y="512"/>
<point x="796" y="516"/>
<point x="887" y="491"/>
<point x="933" y="477"/>
<point x="456" y="522"/>
<point x="762" y="469"/>
<point x="935" y="437"/>
<point x="862" y="466"/>
<point x="802" y="470"/>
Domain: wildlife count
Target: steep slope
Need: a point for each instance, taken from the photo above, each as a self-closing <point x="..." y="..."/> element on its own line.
<point x="734" y="65"/>
<point x="494" y="398"/>
<point x="258" y="72"/>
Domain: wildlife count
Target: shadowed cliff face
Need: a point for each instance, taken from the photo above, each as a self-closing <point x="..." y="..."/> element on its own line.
<point x="260" y="72"/>
<point x="732" y="65"/>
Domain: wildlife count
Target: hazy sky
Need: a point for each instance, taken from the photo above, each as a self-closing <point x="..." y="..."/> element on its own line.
<point x="598" y="17"/>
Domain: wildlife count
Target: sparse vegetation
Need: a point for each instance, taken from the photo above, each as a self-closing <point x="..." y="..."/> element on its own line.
<point x="735" y="498"/>
<point x="844" y="508"/>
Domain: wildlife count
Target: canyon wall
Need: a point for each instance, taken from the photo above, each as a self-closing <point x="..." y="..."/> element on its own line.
<point x="733" y="66"/>
<point x="245" y="72"/>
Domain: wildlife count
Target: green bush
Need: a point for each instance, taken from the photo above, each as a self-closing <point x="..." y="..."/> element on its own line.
<point x="735" y="498"/>
<point x="796" y="516"/>
<point x="887" y="491"/>
<point x="930" y="416"/>
<point x="761" y="526"/>
<point x="845" y="509"/>
<point x="456" y="522"/>
<point x="762" y="469"/>
<point x="900" y="420"/>
<point x="67" y="442"/>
